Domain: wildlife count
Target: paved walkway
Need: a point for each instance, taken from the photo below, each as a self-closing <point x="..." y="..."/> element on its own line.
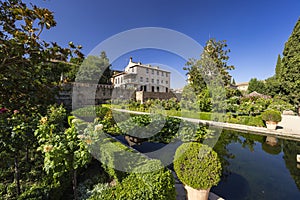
<point x="290" y="124"/>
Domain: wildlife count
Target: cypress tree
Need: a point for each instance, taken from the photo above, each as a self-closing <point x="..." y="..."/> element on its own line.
<point x="278" y="67"/>
<point x="233" y="82"/>
<point x="290" y="68"/>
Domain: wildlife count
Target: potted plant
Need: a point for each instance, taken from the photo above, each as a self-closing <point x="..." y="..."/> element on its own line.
<point x="271" y="117"/>
<point x="198" y="168"/>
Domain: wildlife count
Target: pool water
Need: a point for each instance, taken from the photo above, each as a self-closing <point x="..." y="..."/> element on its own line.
<point x="254" y="169"/>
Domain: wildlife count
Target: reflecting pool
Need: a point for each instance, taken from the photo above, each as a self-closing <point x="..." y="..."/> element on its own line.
<point x="258" y="167"/>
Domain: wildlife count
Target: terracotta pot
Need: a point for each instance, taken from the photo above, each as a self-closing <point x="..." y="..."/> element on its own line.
<point x="194" y="194"/>
<point x="271" y="125"/>
<point x="272" y="141"/>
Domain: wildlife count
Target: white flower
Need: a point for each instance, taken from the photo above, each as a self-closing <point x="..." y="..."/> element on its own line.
<point x="98" y="127"/>
<point x="48" y="148"/>
<point x="80" y="136"/>
<point x="75" y="121"/>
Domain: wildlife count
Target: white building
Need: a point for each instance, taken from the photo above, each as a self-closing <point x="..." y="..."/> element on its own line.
<point x="242" y="86"/>
<point x="143" y="78"/>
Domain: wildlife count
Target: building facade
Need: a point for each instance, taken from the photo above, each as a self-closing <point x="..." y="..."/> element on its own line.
<point x="142" y="77"/>
<point x="242" y="86"/>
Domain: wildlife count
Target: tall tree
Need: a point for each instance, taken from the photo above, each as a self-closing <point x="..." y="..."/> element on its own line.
<point x="28" y="64"/>
<point x="290" y="76"/>
<point x="273" y="87"/>
<point x="233" y="82"/>
<point x="256" y="85"/>
<point x="278" y="67"/>
<point x="95" y="69"/>
<point x="214" y="57"/>
<point x="30" y="71"/>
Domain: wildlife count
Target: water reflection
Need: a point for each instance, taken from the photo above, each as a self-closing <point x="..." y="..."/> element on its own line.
<point x="258" y="167"/>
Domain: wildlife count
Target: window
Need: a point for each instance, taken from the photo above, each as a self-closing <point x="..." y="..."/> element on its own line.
<point x="141" y="79"/>
<point x="147" y="71"/>
<point x="132" y="69"/>
<point x="147" y="80"/>
<point x="121" y="79"/>
<point x="152" y="80"/>
<point x="167" y="74"/>
<point x="152" y="71"/>
<point x="162" y="81"/>
<point x="167" y="82"/>
<point x="157" y="81"/>
<point x="157" y="73"/>
<point x="162" y="73"/>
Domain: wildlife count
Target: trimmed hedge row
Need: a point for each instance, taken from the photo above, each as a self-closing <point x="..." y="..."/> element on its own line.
<point x="247" y="120"/>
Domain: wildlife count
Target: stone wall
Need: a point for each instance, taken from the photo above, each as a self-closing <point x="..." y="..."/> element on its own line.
<point x="77" y="95"/>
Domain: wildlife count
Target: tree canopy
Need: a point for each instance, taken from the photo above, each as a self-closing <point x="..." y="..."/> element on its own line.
<point x="95" y="70"/>
<point x="290" y="76"/>
<point x="256" y="85"/>
<point x="214" y="57"/>
<point x="30" y="66"/>
<point x="278" y="67"/>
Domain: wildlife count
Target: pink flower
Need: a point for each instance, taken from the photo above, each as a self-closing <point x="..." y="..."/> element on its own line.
<point x="3" y="110"/>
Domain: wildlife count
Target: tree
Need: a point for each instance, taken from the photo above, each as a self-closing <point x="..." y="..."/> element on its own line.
<point x="30" y="76"/>
<point x="95" y="70"/>
<point x="256" y="85"/>
<point x="214" y="57"/>
<point x="273" y="87"/>
<point x="290" y="76"/>
<point x="278" y="67"/>
<point x="233" y="82"/>
<point x="29" y="64"/>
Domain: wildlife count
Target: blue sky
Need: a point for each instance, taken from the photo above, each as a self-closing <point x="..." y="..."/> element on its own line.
<point x="255" y="31"/>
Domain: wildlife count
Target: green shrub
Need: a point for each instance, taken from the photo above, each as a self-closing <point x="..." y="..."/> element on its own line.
<point x="206" y="116"/>
<point x="148" y="181"/>
<point x="197" y="165"/>
<point x="281" y="105"/>
<point x="246" y="120"/>
<point x="90" y="112"/>
<point x="256" y="121"/>
<point x="101" y="111"/>
<point x="271" y="115"/>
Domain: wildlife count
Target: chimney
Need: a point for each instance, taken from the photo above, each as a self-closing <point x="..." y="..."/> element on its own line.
<point x="130" y="59"/>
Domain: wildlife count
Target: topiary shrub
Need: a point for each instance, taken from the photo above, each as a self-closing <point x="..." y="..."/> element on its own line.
<point x="271" y="115"/>
<point x="197" y="165"/>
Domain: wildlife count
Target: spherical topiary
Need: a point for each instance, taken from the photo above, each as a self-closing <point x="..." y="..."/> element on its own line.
<point x="197" y="165"/>
<point x="271" y="115"/>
